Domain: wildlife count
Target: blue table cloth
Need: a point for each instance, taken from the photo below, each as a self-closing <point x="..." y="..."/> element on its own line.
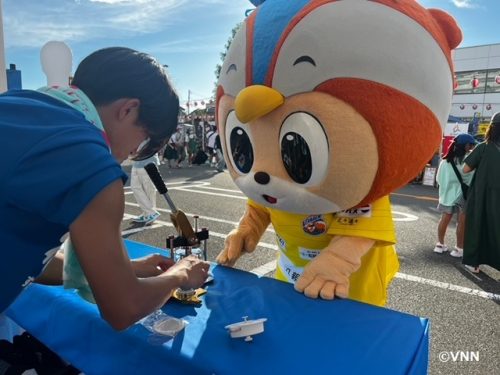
<point x="301" y="336"/>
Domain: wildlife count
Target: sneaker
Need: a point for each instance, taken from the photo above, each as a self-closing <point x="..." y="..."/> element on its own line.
<point x="150" y="218"/>
<point x="471" y="269"/>
<point x="440" y="248"/>
<point x="457" y="252"/>
<point x="139" y="219"/>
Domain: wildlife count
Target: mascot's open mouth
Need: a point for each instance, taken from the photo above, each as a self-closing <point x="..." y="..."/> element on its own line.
<point x="270" y="199"/>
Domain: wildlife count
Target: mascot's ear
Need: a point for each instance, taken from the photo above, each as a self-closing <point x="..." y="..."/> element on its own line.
<point x="449" y="26"/>
<point x="257" y="2"/>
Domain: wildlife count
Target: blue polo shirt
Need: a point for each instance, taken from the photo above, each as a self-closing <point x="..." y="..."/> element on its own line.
<point x="53" y="163"/>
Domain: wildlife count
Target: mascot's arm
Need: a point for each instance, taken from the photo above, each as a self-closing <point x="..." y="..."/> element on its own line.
<point x="328" y="274"/>
<point x="246" y="236"/>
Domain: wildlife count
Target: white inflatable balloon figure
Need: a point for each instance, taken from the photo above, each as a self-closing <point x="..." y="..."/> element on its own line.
<point x="56" y="59"/>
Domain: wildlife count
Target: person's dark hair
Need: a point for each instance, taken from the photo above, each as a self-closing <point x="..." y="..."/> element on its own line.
<point x="493" y="132"/>
<point x="455" y="151"/>
<point x="113" y="73"/>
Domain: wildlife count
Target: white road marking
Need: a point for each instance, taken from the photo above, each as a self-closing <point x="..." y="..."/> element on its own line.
<point x="271" y="266"/>
<point x="160" y="223"/>
<point x="214" y="194"/>
<point x="221" y="189"/>
<point x="140" y="229"/>
<point x="265" y="268"/>
<point x="234" y="223"/>
<point x="175" y="183"/>
<point x="448" y="286"/>
<point x="406" y="217"/>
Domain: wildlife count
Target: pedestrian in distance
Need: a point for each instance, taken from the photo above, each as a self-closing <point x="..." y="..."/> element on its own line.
<point x="176" y="142"/>
<point x="192" y="147"/>
<point x="211" y="135"/>
<point x="451" y="180"/>
<point x="170" y="152"/>
<point x="220" y="162"/>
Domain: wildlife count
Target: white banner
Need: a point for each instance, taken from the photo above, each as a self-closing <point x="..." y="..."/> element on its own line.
<point x="453" y="129"/>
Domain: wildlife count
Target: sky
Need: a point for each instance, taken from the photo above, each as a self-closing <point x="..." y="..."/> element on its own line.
<point x="186" y="35"/>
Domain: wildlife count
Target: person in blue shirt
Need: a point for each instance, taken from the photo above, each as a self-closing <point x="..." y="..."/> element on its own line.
<point x="60" y="172"/>
<point x="451" y="199"/>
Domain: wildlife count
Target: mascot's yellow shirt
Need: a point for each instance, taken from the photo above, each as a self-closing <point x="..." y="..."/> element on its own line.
<point x="301" y="237"/>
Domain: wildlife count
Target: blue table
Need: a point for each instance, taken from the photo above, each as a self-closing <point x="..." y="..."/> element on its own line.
<point x="302" y="336"/>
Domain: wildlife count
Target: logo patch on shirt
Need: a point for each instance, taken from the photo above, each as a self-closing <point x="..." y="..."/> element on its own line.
<point x="281" y="242"/>
<point x="347" y="220"/>
<point x="308" y="254"/>
<point x="314" y="225"/>
<point x="365" y="211"/>
<point x="289" y="270"/>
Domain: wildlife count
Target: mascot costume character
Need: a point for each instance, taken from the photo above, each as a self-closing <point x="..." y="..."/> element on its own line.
<point x="324" y="107"/>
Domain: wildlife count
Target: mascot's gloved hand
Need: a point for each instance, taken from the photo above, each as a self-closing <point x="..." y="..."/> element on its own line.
<point x="244" y="238"/>
<point x="327" y="275"/>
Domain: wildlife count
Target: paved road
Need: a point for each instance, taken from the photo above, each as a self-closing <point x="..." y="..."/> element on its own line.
<point x="463" y="308"/>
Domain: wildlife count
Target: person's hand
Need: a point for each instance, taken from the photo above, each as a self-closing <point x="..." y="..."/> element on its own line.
<point x="237" y="242"/>
<point x="191" y="271"/>
<point x="327" y="275"/>
<point x="244" y="238"/>
<point x="151" y="265"/>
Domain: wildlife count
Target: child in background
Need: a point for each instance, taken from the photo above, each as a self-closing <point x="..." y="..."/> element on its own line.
<point x="451" y="199"/>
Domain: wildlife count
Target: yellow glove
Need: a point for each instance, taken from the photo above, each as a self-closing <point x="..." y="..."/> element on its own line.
<point x="328" y="274"/>
<point x="246" y="237"/>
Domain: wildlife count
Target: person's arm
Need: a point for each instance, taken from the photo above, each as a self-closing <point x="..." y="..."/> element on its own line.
<point x="52" y="274"/>
<point x="439" y="173"/>
<point x="474" y="158"/>
<point x="327" y="275"/>
<point x="151" y="265"/>
<point x="122" y="297"/>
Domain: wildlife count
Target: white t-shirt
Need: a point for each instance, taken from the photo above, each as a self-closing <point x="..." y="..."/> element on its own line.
<point x="176" y="139"/>
<point x="211" y="135"/>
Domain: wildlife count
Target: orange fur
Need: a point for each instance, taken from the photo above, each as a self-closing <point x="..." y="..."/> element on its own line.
<point x="405" y="142"/>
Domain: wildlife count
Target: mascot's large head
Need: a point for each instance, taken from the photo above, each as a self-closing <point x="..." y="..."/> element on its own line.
<point x="323" y="105"/>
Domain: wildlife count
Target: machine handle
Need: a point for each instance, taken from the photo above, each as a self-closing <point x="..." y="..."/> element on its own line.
<point x="155" y="176"/>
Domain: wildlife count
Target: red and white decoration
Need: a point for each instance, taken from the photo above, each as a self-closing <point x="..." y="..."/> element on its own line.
<point x="474" y="82"/>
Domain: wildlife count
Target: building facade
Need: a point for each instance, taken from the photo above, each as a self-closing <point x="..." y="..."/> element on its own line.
<point x="476" y="94"/>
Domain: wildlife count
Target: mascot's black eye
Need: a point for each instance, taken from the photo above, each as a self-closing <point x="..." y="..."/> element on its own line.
<point x="241" y="150"/>
<point x="296" y="157"/>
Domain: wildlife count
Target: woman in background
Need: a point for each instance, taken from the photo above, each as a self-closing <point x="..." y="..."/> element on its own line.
<point x="482" y="228"/>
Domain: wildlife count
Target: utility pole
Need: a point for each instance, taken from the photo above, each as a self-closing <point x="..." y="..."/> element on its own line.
<point x="188" y="114"/>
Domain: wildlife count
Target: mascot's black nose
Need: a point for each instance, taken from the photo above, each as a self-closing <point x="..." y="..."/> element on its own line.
<point x="262" y="178"/>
